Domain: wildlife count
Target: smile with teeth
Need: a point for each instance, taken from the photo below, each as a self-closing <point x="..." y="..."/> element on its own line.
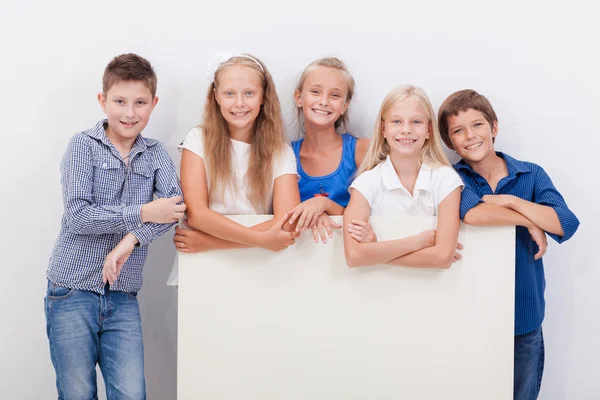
<point x="239" y="114"/>
<point x="406" y="141"/>
<point x="474" y="146"/>
<point x="321" y="112"/>
<point x="128" y="123"/>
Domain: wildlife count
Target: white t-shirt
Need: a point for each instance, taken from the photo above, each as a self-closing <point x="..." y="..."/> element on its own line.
<point x="236" y="202"/>
<point x="387" y="196"/>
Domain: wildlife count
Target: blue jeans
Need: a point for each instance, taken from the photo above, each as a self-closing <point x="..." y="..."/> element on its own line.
<point x="529" y="365"/>
<point x="86" y="328"/>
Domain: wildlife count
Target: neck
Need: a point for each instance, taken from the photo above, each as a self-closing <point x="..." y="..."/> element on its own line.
<point x="123" y="145"/>
<point x="321" y="138"/>
<point x="489" y="166"/>
<point x="241" y="134"/>
<point x="407" y="168"/>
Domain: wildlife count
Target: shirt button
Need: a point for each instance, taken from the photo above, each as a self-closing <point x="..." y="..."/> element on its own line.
<point x="104" y="165"/>
<point x="139" y="225"/>
<point x="482" y="184"/>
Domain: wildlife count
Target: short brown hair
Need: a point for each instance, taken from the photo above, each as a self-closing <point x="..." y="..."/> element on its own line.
<point x="129" y="67"/>
<point x="461" y="101"/>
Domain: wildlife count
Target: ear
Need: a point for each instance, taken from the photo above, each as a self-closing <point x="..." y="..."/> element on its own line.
<point x="429" y="130"/>
<point x="346" y="104"/>
<point x="494" y="129"/>
<point x="297" y="98"/>
<point x="154" y="101"/>
<point x="102" y="101"/>
<point x="216" y="97"/>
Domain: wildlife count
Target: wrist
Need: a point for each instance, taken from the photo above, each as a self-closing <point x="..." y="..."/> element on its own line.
<point x="144" y="213"/>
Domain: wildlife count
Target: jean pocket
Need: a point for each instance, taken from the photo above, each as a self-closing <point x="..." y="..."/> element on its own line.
<point x="57" y="292"/>
<point x="132" y="295"/>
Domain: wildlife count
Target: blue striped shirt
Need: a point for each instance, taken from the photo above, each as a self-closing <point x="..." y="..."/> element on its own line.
<point x="529" y="182"/>
<point x="102" y="203"/>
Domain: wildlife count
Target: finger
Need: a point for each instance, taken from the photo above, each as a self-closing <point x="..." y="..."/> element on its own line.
<point x="104" y="274"/>
<point x="333" y="224"/>
<point x="282" y="220"/>
<point x="457" y="256"/>
<point x="295" y="212"/>
<point x="356" y="237"/>
<point x="186" y="224"/>
<point x="323" y="234"/>
<point x="301" y="221"/>
<point x="179" y="208"/>
<point x="459" y="246"/>
<point x="176" y="199"/>
<point x="314" y="220"/>
<point x="315" y="234"/>
<point x="327" y="225"/>
<point x="361" y="223"/>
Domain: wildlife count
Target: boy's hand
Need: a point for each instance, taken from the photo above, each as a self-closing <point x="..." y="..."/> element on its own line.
<point x="308" y="212"/>
<point x="163" y="211"/>
<point x="276" y="239"/>
<point x="117" y="257"/>
<point x="324" y="227"/>
<point x="362" y="231"/>
<point x="504" y="200"/>
<point x="539" y="237"/>
<point x="190" y="240"/>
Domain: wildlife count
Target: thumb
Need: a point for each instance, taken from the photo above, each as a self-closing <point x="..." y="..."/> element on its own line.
<point x="176" y="199"/>
<point x="281" y="221"/>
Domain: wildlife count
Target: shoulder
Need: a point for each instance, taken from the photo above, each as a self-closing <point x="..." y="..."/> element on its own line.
<point x="370" y="178"/>
<point x="362" y="145"/>
<point x="444" y="172"/>
<point x="194" y="141"/>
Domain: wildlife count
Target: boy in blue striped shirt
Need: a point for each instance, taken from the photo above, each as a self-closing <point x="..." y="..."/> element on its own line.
<point x="109" y="176"/>
<point x="500" y="190"/>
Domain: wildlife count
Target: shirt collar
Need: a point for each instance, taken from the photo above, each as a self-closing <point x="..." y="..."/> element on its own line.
<point x="98" y="132"/>
<point x="514" y="166"/>
<point x="391" y="180"/>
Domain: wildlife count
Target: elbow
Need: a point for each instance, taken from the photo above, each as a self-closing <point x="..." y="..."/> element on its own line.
<point x="444" y="260"/>
<point x="353" y="258"/>
<point x="471" y="218"/>
<point x="76" y="224"/>
<point x="196" y="220"/>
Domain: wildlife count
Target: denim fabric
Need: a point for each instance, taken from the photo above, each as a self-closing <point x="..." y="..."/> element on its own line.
<point x="529" y="365"/>
<point x="84" y="329"/>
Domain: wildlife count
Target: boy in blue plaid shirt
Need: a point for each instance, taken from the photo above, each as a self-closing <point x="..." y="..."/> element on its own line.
<point x="109" y="176"/>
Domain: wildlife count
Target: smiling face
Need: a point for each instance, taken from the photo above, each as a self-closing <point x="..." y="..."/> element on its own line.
<point x="323" y="96"/>
<point x="239" y="94"/>
<point x="471" y="135"/>
<point x="127" y="105"/>
<point x="406" y="127"/>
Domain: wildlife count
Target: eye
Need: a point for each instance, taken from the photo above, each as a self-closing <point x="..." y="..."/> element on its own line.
<point x="458" y="130"/>
<point x="228" y="94"/>
<point x="314" y="91"/>
<point x="417" y="122"/>
<point x="395" y="121"/>
<point x="142" y="102"/>
<point x="249" y="93"/>
<point x="336" y="96"/>
<point x="478" y="124"/>
<point x="119" y="101"/>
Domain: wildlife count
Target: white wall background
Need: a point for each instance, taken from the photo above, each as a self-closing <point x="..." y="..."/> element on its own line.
<point x="537" y="61"/>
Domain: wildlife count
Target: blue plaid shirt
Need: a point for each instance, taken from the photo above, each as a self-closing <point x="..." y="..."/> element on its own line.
<point x="529" y="182"/>
<point x="103" y="199"/>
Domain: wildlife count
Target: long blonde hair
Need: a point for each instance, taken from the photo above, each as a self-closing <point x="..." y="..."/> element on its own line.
<point x="266" y="145"/>
<point x="432" y="152"/>
<point x="329" y="62"/>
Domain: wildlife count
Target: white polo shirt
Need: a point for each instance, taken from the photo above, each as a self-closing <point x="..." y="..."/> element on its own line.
<point x="387" y="196"/>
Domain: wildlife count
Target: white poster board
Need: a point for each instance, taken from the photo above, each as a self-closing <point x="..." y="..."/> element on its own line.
<point x="301" y="325"/>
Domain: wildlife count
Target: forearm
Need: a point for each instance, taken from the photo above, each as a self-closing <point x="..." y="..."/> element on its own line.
<point x="333" y="208"/>
<point x="89" y="219"/>
<point x="430" y="257"/>
<point x="219" y="226"/>
<point x="495" y="215"/>
<point x="543" y="216"/>
<point x="364" y="254"/>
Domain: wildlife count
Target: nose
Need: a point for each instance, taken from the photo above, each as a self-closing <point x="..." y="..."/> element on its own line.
<point x="405" y="128"/>
<point x="129" y="111"/>
<point x="323" y="100"/>
<point x="239" y="100"/>
<point x="468" y="133"/>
